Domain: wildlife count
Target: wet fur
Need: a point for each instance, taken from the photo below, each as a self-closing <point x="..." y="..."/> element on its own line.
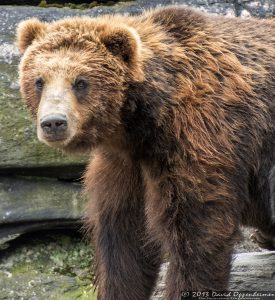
<point x="189" y="157"/>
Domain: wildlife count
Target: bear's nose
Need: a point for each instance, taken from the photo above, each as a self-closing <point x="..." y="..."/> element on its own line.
<point x="54" y="124"/>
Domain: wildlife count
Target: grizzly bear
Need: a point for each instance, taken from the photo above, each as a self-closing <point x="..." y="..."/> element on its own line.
<point x="178" y="110"/>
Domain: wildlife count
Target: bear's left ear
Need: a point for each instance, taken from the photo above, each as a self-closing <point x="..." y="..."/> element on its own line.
<point x="27" y="31"/>
<point x="123" y="42"/>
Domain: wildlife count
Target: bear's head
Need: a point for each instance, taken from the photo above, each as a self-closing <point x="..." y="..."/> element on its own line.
<point x="73" y="77"/>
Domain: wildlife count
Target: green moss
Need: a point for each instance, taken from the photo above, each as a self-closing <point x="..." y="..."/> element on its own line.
<point x="110" y="3"/>
<point x="43" y="3"/>
<point x="71" y="5"/>
<point x="54" y="266"/>
<point x="81" y="6"/>
<point x="92" y="4"/>
<point x="82" y="293"/>
<point x="57" y="5"/>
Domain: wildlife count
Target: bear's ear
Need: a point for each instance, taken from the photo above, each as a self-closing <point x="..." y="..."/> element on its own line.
<point x="123" y="42"/>
<point x="27" y="31"/>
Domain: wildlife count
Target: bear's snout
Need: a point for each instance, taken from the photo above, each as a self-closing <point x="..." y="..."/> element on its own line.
<point x="54" y="126"/>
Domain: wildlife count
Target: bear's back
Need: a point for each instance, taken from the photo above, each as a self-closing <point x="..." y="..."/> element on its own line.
<point x="250" y="41"/>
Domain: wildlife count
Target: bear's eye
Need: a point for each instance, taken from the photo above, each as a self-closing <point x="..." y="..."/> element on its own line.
<point x="80" y="85"/>
<point x="39" y="83"/>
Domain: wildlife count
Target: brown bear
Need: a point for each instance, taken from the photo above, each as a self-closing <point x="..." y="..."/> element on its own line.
<point x="178" y="109"/>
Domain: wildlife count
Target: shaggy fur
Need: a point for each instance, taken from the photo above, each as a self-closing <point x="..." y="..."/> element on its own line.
<point x="180" y="113"/>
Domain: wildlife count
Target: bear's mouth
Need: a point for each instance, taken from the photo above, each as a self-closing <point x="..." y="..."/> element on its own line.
<point x="53" y="138"/>
<point x="56" y="142"/>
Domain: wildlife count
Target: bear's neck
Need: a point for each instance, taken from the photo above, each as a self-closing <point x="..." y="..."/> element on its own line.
<point x="147" y="118"/>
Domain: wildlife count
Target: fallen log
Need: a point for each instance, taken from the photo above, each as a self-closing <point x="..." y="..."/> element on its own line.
<point x="251" y="272"/>
<point x="28" y="204"/>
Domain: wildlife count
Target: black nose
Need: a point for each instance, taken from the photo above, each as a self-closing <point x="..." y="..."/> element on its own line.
<point x="54" y="124"/>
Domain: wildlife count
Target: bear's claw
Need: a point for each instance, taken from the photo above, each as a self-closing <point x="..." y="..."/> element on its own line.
<point x="264" y="240"/>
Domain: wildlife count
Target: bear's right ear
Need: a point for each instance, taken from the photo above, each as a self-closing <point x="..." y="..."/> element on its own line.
<point x="27" y="31"/>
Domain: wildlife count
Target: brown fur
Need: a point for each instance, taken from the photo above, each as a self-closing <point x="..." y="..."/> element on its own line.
<point x="180" y="113"/>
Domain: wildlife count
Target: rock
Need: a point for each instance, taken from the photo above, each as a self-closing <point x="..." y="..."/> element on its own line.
<point x="19" y="2"/>
<point x="262" y="9"/>
<point x="34" y="285"/>
<point x="46" y="266"/>
<point x="29" y="204"/>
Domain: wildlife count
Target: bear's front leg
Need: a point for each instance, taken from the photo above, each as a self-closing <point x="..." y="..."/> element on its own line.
<point x="197" y="236"/>
<point x="127" y="263"/>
